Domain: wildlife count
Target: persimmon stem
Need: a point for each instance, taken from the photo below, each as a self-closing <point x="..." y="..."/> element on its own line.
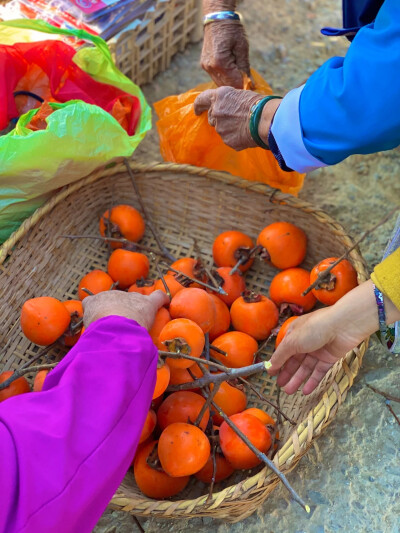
<point x="147" y="218"/>
<point x="168" y="292"/>
<point x="384" y="394"/>
<point x="219" y="290"/>
<point x="112" y="239"/>
<point x="262" y="457"/>
<point x="22" y="371"/>
<point x="204" y="267"/>
<point x="39" y="355"/>
<point x="245" y="257"/>
<point x="88" y="291"/>
<point x="266" y="400"/>
<point x="324" y="275"/>
<point x="207" y="346"/>
<point x="218" y="350"/>
<point x="214" y="465"/>
<point x="175" y="355"/>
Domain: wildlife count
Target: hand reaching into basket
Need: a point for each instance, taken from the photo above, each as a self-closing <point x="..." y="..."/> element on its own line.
<point x="314" y="342"/>
<point x="131" y="305"/>
<point x="225" y="54"/>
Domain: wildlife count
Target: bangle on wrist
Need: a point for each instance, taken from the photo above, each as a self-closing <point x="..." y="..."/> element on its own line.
<point x="255" y="117"/>
<point x="219" y="16"/>
<point x="386" y="333"/>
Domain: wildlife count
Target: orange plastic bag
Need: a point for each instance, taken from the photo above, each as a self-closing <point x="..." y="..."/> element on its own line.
<point x="186" y="138"/>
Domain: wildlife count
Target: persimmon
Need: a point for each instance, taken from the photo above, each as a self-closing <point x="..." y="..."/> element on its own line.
<point x="191" y="267"/>
<point x="342" y="279"/>
<point x="255" y="315"/>
<point x="222" y="318"/>
<point x="95" y="281"/>
<point x="233" y="284"/>
<point x="172" y="283"/>
<point x="125" y="222"/>
<point x="44" y="320"/>
<point x="231" y="246"/>
<point x="127" y="267"/>
<point x="75" y="309"/>
<point x="223" y="469"/>
<point x="185" y="336"/>
<point x="196" y="305"/>
<point x="162" y="318"/>
<point x="235" y="450"/>
<point x="230" y="399"/>
<point x="182" y="406"/>
<point x="284" y="245"/>
<point x="162" y="381"/>
<point x="19" y="386"/>
<point x="283" y="329"/>
<point x="287" y="287"/>
<point x="239" y="347"/>
<point x="39" y="380"/>
<point x="143" y="286"/>
<point x="148" y="427"/>
<point x="261" y="415"/>
<point x="153" y="482"/>
<point x="183" y="449"/>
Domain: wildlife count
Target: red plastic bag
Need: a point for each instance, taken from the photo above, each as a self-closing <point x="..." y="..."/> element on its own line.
<point x="47" y="71"/>
<point x="186" y="138"/>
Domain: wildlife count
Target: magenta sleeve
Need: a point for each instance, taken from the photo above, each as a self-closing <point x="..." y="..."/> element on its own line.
<point x="65" y="450"/>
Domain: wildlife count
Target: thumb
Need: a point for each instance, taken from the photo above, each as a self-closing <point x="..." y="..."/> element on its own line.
<point x="204" y="101"/>
<point x="282" y="354"/>
<point x="158" y="299"/>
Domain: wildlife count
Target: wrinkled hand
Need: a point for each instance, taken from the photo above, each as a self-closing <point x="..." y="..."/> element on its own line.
<point x="229" y="112"/>
<point x="131" y="305"/>
<point x="225" y="54"/>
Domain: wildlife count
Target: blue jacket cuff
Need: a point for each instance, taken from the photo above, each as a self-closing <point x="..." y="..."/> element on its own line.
<point x="287" y="135"/>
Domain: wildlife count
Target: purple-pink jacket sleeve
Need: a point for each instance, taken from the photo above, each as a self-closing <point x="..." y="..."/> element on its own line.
<point x="65" y="450"/>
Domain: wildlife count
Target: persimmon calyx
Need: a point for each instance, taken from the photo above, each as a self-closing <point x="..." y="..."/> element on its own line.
<point x="251" y="297"/>
<point x="142" y="282"/>
<point x="177" y="345"/>
<point x="326" y="284"/>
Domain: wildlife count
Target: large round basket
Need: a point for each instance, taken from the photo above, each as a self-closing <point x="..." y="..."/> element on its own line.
<point x="186" y="204"/>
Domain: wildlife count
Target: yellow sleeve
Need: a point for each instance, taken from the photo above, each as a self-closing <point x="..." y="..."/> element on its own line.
<point x="386" y="277"/>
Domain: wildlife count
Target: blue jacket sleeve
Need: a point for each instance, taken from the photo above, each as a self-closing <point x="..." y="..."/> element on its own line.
<point x="349" y="105"/>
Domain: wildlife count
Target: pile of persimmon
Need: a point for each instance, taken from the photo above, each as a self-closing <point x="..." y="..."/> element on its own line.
<point x="180" y="436"/>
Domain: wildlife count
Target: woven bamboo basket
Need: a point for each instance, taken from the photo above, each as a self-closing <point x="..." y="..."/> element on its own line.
<point x="186" y="203"/>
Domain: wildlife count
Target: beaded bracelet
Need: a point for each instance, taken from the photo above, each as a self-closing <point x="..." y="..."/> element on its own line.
<point x="386" y="333"/>
<point x="255" y="118"/>
<point x="222" y="15"/>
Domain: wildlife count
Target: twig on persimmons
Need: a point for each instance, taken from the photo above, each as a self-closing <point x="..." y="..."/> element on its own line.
<point x="206" y="405"/>
<point x="278" y="423"/>
<point x="220" y="290"/>
<point x="208" y="271"/>
<point x="147" y="218"/>
<point x="384" y="394"/>
<point x="262" y="397"/>
<point x="217" y="379"/>
<point x="324" y="276"/>
<point x="207" y="346"/>
<point x="168" y="292"/>
<point x="262" y="457"/>
<point x="132" y="245"/>
<point x="214" y="443"/>
<point x="39" y="355"/>
<point x="245" y="257"/>
<point x="263" y="345"/>
<point x="218" y="350"/>
<point x="176" y="355"/>
<point x="88" y="291"/>
<point x="18" y="373"/>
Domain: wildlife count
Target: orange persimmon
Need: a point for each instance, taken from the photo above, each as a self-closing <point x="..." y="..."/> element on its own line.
<point x="196" y="305"/>
<point x="239" y="347"/>
<point x="182" y="406"/>
<point x="284" y="245"/>
<point x="19" y="386"/>
<point x="185" y="336"/>
<point x="127" y="267"/>
<point x="287" y="287"/>
<point x="255" y="315"/>
<point x="125" y="222"/>
<point x="343" y="278"/>
<point x="229" y="247"/>
<point x="44" y="320"/>
<point x="95" y="281"/>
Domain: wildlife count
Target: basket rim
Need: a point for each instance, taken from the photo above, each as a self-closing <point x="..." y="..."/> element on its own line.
<point x="317" y="419"/>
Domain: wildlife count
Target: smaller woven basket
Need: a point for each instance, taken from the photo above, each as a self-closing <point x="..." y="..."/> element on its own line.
<point x="186" y="203"/>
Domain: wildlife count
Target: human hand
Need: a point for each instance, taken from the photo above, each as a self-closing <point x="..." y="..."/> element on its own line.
<point x="314" y="342"/>
<point x="229" y="112"/>
<point x="131" y="305"/>
<point x="225" y="54"/>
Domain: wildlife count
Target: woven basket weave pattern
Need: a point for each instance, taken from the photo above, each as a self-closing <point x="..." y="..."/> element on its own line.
<point x="186" y="203"/>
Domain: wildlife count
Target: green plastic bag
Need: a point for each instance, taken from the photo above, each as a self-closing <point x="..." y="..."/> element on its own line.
<point x="78" y="139"/>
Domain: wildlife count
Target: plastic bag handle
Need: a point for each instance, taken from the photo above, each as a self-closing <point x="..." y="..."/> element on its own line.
<point x="45" y="27"/>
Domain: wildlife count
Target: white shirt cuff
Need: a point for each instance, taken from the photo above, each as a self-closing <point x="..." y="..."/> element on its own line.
<point x="286" y="129"/>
